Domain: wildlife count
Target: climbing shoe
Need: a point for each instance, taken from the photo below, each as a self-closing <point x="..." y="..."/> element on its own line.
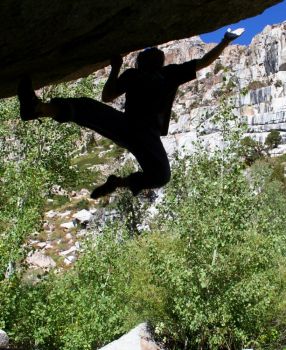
<point x="28" y="100"/>
<point x="108" y="187"/>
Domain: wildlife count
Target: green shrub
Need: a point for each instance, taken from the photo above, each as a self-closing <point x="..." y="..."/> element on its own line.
<point x="251" y="150"/>
<point x="254" y="85"/>
<point x="278" y="83"/>
<point x="273" y="139"/>
<point x="218" y="67"/>
<point x="209" y="276"/>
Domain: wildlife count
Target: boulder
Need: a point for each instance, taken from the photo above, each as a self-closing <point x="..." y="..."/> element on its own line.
<point x="83" y="216"/>
<point x="69" y="236"/>
<point x="69" y="260"/>
<point x="69" y="251"/>
<point x="63" y="40"/>
<point x="68" y="225"/>
<point x="64" y="214"/>
<point x="51" y="214"/>
<point x="41" y="260"/>
<point x="138" y="338"/>
<point x="4" y="339"/>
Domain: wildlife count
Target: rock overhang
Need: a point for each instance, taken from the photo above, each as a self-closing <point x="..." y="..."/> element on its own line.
<point x="64" y="40"/>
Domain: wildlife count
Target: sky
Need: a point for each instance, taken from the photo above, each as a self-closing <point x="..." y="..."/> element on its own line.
<point x="253" y="25"/>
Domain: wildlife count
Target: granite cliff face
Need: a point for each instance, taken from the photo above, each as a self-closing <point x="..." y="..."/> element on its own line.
<point x="254" y="76"/>
<point x="63" y="40"/>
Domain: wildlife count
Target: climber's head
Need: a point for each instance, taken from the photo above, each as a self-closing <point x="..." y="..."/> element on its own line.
<point x="150" y="59"/>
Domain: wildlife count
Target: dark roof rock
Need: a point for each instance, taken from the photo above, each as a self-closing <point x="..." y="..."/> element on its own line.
<point x="60" y="40"/>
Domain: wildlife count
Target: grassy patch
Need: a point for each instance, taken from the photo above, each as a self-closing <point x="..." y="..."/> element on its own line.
<point x="106" y="152"/>
<point x="58" y="201"/>
<point x="57" y="234"/>
<point x="87" y="179"/>
<point x="82" y="204"/>
<point x="87" y="160"/>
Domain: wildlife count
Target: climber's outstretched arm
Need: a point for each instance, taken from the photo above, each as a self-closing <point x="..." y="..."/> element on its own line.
<point x="111" y="89"/>
<point x="213" y="54"/>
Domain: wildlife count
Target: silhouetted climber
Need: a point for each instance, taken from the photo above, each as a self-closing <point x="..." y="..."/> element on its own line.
<point x="150" y="90"/>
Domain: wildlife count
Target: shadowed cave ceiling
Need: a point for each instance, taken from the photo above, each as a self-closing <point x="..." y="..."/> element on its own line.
<point x="60" y="40"/>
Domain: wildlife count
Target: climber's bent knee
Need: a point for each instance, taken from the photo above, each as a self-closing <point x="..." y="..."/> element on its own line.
<point x="65" y="109"/>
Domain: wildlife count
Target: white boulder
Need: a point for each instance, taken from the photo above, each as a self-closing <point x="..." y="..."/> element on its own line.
<point x="41" y="260"/>
<point x="69" y="251"/>
<point x="69" y="260"/>
<point x="83" y="216"/>
<point x="137" y="339"/>
<point x="68" y="225"/>
<point x="4" y="339"/>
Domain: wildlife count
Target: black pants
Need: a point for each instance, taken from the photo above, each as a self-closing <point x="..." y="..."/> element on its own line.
<point x="145" y="144"/>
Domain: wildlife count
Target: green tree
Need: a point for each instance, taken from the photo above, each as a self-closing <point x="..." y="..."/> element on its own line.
<point x="273" y="139"/>
<point x="251" y="150"/>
